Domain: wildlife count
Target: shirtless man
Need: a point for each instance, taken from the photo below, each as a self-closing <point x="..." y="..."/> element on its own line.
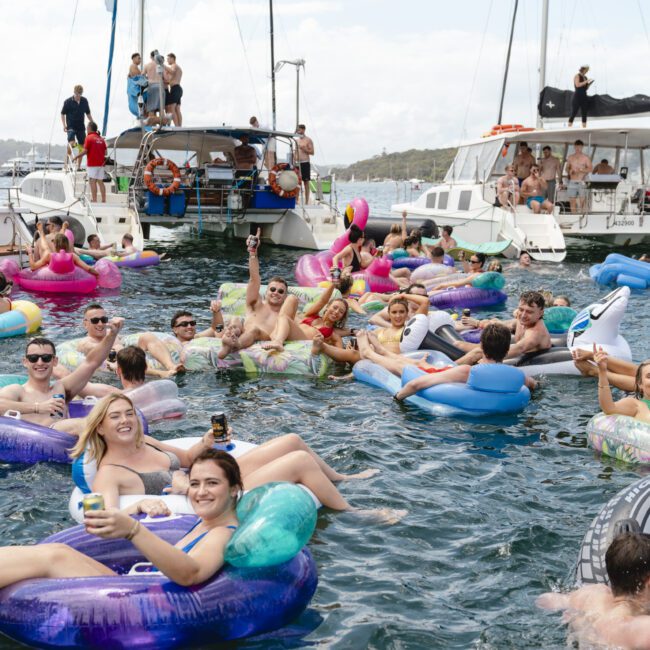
<point x="153" y="70"/>
<point x="603" y="167"/>
<point x="533" y="189"/>
<point x="612" y="616"/>
<point x="508" y="189"/>
<point x="95" y="248"/>
<point x="134" y="68"/>
<point x="35" y="400"/>
<point x="127" y="245"/>
<point x="523" y="161"/>
<point x="95" y="323"/>
<point x="578" y="166"/>
<point x="184" y="324"/>
<point x="305" y="150"/>
<point x="530" y="331"/>
<point x="550" y="171"/>
<point x="245" y="154"/>
<point x="173" y="96"/>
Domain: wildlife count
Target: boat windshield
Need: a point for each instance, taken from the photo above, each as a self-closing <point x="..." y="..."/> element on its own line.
<point x="474" y="162"/>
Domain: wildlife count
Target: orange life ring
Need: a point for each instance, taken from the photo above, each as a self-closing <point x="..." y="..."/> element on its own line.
<point x="166" y="190"/>
<point x="507" y="127"/>
<point x="273" y="173"/>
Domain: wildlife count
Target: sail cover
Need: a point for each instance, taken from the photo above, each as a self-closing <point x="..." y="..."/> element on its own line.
<point x="556" y="104"/>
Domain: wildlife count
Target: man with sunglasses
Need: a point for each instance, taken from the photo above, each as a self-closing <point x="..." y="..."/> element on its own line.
<point x="95" y="323"/>
<point x="36" y="399"/>
<point x="533" y="189"/>
<point x="184" y="324"/>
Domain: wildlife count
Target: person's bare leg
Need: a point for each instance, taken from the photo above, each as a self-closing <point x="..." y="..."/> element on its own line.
<point x="102" y="190"/>
<point x="614" y="364"/>
<point x="179" y="115"/>
<point x="93" y="189"/>
<point x="392" y="364"/>
<point x="42" y="243"/>
<point x="342" y="355"/>
<point x="150" y="343"/>
<point x="572" y="203"/>
<point x="279" y="447"/>
<point x="286" y="329"/>
<point x="471" y="358"/>
<point x="46" y="561"/>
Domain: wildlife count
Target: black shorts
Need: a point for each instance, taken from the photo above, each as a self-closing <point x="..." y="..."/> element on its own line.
<point x="305" y="171"/>
<point x="173" y="95"/>
<point x="78" y="134"/>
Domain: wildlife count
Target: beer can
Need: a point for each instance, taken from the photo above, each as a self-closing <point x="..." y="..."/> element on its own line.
<point x="58" y="414"/>
<point x="467" y="312"/>
<point x="336" y="274"/>
<point x="219" y="427"/>
<point x="93" y="501"/>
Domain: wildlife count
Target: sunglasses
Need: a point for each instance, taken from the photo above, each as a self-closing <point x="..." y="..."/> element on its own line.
<point x="98" y="319"/>
<point x="33" y="358"/>
<point x="186" y="323"/>
<point x="274" y="289"/>
<point x="475" y="261"/>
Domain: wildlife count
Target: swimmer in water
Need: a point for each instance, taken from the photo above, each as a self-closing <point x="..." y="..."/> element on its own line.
<point x="612" y="616"/>
<point x="561" y="301"/>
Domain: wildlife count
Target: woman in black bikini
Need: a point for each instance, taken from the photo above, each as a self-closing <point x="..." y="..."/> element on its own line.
<point x="214" y="485"/>
<point x="350" y="256"/>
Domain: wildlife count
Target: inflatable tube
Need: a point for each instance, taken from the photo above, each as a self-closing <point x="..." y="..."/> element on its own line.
<point x="559" y="319"/>
<point x="429" y="271"/>
<point x="599" y="323"/>
<point x="147" y="611"/>
<point x="623" y="271"/>
<point x="158" y="400"/>
<point x="461" y="297"/>
<point x="410" y="262"/>
<point x="84" y="470"/>
<point x="627" y="510"/>
<point x="433" y="331"/>
<point x="554" y="361"/>
<point x="359" y="208"/>
<point x="489" y="280"/>
<point x="24" y="318"/>
<point x="620" y="437"/>
<point x="491" y="389"/>
<point x="136" y="260"/>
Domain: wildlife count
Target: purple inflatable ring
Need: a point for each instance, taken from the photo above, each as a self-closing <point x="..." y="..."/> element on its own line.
<point x="410" y="262"/>
<point x="150" y="611"/>
<point x="472" y="336"/>
<point x="467" y="297"/>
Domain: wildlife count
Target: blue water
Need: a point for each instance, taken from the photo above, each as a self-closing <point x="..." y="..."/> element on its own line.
<point x="497" y="510"/>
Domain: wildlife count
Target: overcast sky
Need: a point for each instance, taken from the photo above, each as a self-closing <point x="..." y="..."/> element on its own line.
<point x="379" y="73"/>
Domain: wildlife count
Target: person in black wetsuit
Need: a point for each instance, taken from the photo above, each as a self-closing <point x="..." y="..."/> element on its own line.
<point x="580" y="99"/>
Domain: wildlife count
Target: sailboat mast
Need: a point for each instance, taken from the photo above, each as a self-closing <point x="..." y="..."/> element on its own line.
<point x="542" y="57"/>
<point x="505" y="73"/>
<point x="141" y="29"/>
<point x="109" y="72"/>
<point x="272" y="65"/>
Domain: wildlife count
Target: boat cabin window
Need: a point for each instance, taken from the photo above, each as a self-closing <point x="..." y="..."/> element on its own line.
<point x="442" y="201"/>
<point x="53" y="190"/>
<point x="431" y="199"/>
<point x="474" y="162"/>
<point x="632" y="160"/>
<point x="604" y="153"/>
<point x="464" y="199"/>
<point x="32" y="186"/>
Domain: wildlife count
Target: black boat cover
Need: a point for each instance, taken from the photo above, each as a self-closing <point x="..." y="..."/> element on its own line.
<point x="556" y="104"/>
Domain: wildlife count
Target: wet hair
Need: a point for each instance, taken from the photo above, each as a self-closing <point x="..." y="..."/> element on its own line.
<point x="178" y="314"/>
<point x="345" y="284"/>
<point x="56" y="220"/>
<point x="61" y="242"/>
<point x="638" y="392"/>
<point x="495" y="341"/>
<point x="437" y="251"/>
<point x="91" y="238"/>
<point x="628" y="563"/>
<point x="565" y="298"/>
<point x="532" y="299"/>
<point x="40" y="340"/>
<point x="134" y="55"/>
<point x="355" y="233"/>
<point x="132" y="362"/>
<point x="94" y="305"/>
<point x="90" y="441"/>
<point x="495" y="267"/>
<point x="223" y="460"/>
<point x="524" y="252"/>
<point x="395" y="229"/>
<point x="277" y="278"/>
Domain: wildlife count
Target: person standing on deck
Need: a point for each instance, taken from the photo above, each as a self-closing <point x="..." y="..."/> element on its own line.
<point x="578" y="166"/>
<point x="173" y="96"/>
<point x="305" y="151"/>
<point x="550" y="169"/>
<point x="95" y="148"/>
<point x="153" y="70"/>
<point x="72" y="118"/>
<point x="580" y="99"/>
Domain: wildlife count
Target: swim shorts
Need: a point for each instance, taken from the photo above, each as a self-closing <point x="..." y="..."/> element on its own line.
<point x="305" y="170"/>
<point x="78" y="134"/>
<point x="575" y="189"/>
<point x="530" y="199"/>
<point x="153" y="97"/>
<point x="173" y="95"/>
<point x="96" y="173"/>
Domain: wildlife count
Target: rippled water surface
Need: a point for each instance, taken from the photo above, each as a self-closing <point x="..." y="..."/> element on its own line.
<point x="496" y="509"/>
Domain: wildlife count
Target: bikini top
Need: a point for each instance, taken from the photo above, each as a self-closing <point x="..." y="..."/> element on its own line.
<point x="190" y="545"/>
<point x="155" y="482"/>
<point x="324" y="330"/>
<point x="387" y="335"/>
<point x="356" y="261"/>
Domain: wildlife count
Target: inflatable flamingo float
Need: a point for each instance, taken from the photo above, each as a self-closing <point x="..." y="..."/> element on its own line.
<point x="313" y="269"/>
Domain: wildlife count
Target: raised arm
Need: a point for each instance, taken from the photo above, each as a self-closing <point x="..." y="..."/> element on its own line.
<point x="421" y="301"/>
<point x="76" y="380"/>
<point x="404" y="231"/>
<point x="342" y="255"/>
<point x="626" y="406"/>
<point x="254" y="281"/>
<point x="217" y="319"/>
<point x="44" y="260"/>
<point x="323" y="299"/>
<point x="457" y="283"/>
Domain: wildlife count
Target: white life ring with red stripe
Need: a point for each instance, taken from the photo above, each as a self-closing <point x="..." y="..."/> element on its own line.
<point x="165" y="190"/>
<point x="273" y="180"/>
